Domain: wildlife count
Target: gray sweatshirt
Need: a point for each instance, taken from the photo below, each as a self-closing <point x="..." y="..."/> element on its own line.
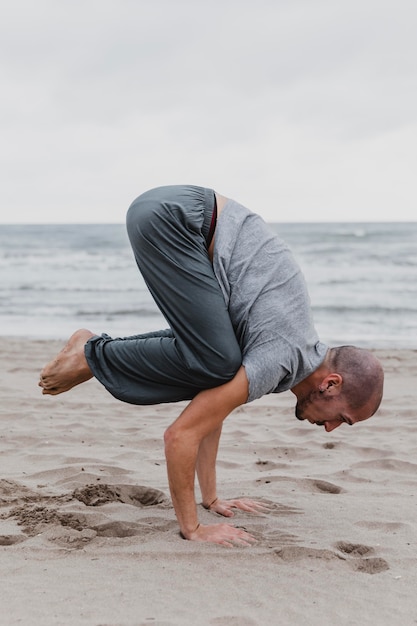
<point x="268" y="302"/>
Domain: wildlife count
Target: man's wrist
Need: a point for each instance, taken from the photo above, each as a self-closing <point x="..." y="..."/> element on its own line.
<point x="188" y="535"/>
<point x="208" y="506"/>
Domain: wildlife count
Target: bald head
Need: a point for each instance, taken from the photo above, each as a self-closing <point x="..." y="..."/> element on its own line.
<point x="362" y="373"/>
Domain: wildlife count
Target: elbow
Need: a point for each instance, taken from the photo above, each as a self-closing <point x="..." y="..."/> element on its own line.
<point x="169" y="438"/>
<point x="172" y="440"/>
<point x="180" y="442"/>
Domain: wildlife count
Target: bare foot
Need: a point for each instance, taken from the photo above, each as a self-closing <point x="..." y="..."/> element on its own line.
<point x="69" y="368"/>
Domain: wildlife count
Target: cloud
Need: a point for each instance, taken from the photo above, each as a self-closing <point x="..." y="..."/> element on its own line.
<point x="300" y="109"/>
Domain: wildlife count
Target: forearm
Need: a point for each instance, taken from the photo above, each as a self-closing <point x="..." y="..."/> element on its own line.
<point x="206" y="466"/>
<point x="202" y="417"/>
<point x="201" y="420"/>
<point x="181" y="457"/>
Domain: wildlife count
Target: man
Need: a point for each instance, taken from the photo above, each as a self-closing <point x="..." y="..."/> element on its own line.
<point x="240" y="327"/>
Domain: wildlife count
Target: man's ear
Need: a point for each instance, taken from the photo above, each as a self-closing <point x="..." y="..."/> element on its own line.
<point x="332" y="383"/>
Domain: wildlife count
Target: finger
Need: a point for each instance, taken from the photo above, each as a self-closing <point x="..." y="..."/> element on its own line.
<point x="245" y="542"/>
<point x="245" y="536"/>
<point x="259" y="507"/>
<point x="256" y="503"/>
<point x="235" y="541"/>
<point x="255" y="506"/>
<point x="248" y="507"/>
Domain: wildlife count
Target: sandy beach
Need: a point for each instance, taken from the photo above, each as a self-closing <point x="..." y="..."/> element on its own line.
<point x="88" y="534"/>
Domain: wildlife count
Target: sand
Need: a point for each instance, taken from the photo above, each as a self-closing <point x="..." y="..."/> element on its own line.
<point x="88" y="534"/>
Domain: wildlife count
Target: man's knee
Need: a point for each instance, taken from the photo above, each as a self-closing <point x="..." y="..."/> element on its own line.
<point x="221" y="365"/>
<point x="141" y="215"/>
<point x="231" y="361"/>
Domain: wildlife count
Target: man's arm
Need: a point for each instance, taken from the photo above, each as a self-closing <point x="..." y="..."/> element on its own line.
<point x="201" y="419"/>
<point x="206" y="467"/>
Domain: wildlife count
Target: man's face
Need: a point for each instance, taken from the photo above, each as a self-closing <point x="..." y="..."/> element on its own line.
<point x="328" y="412"/>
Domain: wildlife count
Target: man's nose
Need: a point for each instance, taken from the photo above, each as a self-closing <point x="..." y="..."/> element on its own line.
<point x="329" y="426"/>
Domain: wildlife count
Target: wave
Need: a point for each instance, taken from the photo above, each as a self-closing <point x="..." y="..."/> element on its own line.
<point x="348" y="309"/>
<point x="52" y="288"/>
<point x="142" y="312"/>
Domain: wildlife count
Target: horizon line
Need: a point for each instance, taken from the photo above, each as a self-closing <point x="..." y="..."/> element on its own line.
<point x="321" y="221"/>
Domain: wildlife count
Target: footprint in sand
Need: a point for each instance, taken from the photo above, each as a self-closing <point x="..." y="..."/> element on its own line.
<point x="297" y="553"/>
<point x="322" y="486"/>
<point x="139" y="496"/>
<point x="34" y="514"/>
<point x="356" y="556"/>
<point x="354" y="549"/>
<point x="97" y="495"/>
<point x="370" y="566"/>
<point x="366" y="565"/>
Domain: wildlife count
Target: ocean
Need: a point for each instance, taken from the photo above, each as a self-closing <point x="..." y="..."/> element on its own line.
<point x="362" y="279"/>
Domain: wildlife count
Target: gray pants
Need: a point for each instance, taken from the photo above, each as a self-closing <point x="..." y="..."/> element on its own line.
<point x="168" y="229"/>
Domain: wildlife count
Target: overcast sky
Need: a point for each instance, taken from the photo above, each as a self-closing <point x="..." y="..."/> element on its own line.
<point x="299" y="109"/>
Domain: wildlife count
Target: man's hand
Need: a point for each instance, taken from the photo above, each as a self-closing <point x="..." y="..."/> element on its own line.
<point x="223" y="534"/>
<point x="224" y="507"/>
